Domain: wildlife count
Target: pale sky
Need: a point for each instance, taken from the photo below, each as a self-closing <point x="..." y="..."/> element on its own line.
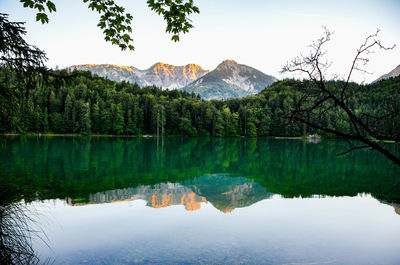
<point x="262" y="34"/>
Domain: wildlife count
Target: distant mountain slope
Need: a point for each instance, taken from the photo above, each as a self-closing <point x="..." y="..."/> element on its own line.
<point x="162" y="75"/>
<point x="111" y="71"/>
<point x="395" y="72"/>
<point x="230" y="79"/>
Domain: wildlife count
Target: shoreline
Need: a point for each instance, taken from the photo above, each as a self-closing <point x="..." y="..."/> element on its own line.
<point x="138" y="136"/>
<point x="308" y="138"/>
<point x="71" y="135"/>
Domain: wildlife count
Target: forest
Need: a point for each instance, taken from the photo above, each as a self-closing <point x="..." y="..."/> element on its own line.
<point x="87" y="104"/>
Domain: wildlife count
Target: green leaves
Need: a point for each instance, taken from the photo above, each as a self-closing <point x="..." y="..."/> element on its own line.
<point x="116" y="23"/>
<point x="51" y="6"/>
<point x="42" y="17"/>
<point x="175" y="38"/>
<point x="27" y="3"/>
<point x="175" y="13"/>
<point x="42" y="6"/>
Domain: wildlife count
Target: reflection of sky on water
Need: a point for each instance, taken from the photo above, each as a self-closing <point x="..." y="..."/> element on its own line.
<point x="345" y="230"/>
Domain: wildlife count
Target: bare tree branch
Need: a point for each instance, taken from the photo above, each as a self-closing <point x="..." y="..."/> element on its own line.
<point x="324" y="98"/>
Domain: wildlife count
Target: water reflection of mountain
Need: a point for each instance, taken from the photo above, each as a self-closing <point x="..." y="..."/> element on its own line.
<point x="159" y="196"/>
<point x="224" y="192"/>
<point x="227" y="193"/>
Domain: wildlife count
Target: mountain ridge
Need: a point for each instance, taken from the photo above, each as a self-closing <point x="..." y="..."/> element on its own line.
<point x="228" y="79"/>
<point x="159" y="74"/>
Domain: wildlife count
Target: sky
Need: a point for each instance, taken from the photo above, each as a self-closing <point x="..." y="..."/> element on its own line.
<point x="260" y="33"/>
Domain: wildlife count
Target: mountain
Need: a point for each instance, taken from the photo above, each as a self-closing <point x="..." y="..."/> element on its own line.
<point x="230" y="79"/>
<point x="395" y="72"/>
<point x="162" y="75"/>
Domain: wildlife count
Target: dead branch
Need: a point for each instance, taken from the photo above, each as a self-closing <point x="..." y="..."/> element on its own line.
<point x="325" y="99"/>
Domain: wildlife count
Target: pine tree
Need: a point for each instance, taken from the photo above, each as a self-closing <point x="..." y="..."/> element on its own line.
<point x="130" y="126"/>
<point x="37" y="115"/>
<point x="117" y="118"/>
<point x="45" y="120"/>
<point x="95" y="117"/>
<point x="68" y="106"/>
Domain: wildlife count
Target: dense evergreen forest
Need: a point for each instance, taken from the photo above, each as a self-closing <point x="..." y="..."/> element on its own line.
<point x="87" y="104"/>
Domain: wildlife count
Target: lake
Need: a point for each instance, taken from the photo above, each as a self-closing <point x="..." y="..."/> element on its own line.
<point x="116" y="200"/>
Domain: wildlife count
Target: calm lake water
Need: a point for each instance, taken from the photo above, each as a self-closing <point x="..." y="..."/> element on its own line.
<point x="103" y="200"/>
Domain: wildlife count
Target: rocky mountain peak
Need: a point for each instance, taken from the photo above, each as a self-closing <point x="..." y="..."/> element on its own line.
<point x="162" y="68"/>
<point x="170" y="76"/>
<point x="193" y="71"/>
<point x="189" y="71"/>
<point x="227" y="64"/>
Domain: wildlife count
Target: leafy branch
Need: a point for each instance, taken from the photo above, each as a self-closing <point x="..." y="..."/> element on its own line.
<point x="116" y="22"/>
<point x="175" y="14"/>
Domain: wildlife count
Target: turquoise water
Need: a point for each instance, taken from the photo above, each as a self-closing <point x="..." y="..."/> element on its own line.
<point x="173" y="200"/>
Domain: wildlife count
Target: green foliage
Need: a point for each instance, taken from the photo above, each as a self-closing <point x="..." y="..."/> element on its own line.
<point x="175" y="14"/>
<point x="117" y="119"/>
<point x="21" y="69"/>
<point x="251" y="129"/>
<point x="40" y="6"/>
<point x="16" y="54"/>
<point x="116" y="22"/>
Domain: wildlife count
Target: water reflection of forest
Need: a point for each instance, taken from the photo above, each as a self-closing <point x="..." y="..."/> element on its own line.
<point x="78" y="167"/>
